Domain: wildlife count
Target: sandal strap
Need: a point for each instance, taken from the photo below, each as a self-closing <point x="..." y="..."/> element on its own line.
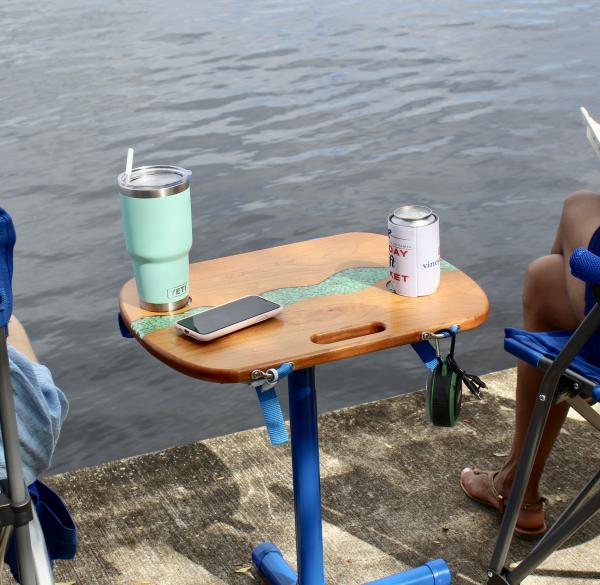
<point x="495" y="493"/>
<point x="498" y="497"/>
<point x="535" y="507"/>
<point x="500" y="503"/>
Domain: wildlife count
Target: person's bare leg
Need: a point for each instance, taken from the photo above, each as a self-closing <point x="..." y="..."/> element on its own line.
<point x="552" y="299"/>
<point x="541" y="312"/>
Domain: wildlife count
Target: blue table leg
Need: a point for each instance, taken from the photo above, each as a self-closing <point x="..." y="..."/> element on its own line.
<point x="307" y="492"/>
<point x="434" y="572"/>
<point x="307" y="505"/>
<point x="267" y="558"/>
<point x="307" y="479"/>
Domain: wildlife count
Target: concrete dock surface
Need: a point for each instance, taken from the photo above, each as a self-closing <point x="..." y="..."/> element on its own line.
<point x="391" y="500"/>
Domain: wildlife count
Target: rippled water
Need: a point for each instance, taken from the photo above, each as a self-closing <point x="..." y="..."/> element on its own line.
<point x="299" y="120"/>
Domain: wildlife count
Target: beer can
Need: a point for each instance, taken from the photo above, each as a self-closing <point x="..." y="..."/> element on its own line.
<point x="414" y="246"/>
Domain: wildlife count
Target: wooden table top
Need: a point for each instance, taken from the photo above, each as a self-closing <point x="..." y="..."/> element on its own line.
<point x="336" y="305"/>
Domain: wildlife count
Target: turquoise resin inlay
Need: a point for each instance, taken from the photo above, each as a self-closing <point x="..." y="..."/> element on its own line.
<point x="345" y="282"/>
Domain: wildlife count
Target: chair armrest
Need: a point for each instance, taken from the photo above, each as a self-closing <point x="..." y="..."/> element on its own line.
<point x="585" y="265"/>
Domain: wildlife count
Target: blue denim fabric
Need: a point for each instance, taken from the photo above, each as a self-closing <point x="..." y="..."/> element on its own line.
<point x="41" y="409"/>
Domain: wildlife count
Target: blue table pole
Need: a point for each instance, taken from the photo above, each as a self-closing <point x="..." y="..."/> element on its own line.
<point x="307" y="492"/>
<point x="307" y="483"/>
<point x="307" y="505"/>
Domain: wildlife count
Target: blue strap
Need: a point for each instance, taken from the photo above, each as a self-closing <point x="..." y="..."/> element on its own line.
<point x="285" y="370"/>
<point x="124" y="329"/>
<point x="427" y="352"/>
<point x="271" y="409"/>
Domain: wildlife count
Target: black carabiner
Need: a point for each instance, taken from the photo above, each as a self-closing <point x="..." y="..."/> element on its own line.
<point x="472" y="382"/>
<point x="452" y="342"/>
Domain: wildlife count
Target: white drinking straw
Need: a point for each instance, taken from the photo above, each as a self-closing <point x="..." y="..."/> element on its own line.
<point x="129" y="164"/>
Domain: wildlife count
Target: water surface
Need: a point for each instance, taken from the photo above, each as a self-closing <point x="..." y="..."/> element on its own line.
<point x="299" y="120"/>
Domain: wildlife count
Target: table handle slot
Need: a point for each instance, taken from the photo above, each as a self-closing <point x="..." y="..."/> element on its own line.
<point x="348" y="333"/>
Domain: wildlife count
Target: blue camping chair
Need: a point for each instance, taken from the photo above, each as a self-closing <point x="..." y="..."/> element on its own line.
<point x="16" y="511"/>
<point x="570" y="374"/>
<point x="43" y="528"/>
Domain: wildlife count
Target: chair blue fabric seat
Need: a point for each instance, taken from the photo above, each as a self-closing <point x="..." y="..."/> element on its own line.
<point x="530" y="347"/>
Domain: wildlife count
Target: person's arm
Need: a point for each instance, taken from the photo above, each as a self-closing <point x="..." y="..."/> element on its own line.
<point x="19" y="339"/>
<point x="40" y="405"/>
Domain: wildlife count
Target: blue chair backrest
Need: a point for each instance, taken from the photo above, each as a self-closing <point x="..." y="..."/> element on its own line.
<point x="585" y="265"/>
<point x="7" y="244"/>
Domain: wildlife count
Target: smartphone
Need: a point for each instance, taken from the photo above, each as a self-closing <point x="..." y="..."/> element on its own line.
<point x="592" y="130"/>
<point x="228" y="318"/>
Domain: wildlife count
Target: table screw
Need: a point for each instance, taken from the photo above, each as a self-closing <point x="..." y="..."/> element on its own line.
<point x="490" y="574"/>
<point x="542" y="397"/>
<point x="575" y="385"/>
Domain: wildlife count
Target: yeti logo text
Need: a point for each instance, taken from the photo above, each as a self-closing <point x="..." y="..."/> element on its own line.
<point x="177" y="291"/>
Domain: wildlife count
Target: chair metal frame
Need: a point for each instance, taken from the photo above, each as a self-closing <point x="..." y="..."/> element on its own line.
<point x="16" y="508"/>
<point x="559" y="383"/>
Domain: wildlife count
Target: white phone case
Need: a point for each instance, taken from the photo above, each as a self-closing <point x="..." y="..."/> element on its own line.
<point x="235" y="327"/>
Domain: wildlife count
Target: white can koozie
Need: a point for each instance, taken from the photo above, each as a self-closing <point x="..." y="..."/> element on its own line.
<point x="414" y="247"/>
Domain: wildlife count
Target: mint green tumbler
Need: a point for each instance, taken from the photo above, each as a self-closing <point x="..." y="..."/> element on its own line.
<point x="157" y="219"/>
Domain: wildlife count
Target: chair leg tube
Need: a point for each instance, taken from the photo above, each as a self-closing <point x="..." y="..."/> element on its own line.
<point x="43" y="568"/>
<point x="532" y="442"/>
<point x="14" y="467"/>
<point x="10" y="434"/>
<point x="25" y="560"/>
<point x="585" y="410"/>
<point x="555" y="537"/>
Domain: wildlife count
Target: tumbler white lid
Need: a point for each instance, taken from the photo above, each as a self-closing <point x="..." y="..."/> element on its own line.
<point x="154" y="181"/>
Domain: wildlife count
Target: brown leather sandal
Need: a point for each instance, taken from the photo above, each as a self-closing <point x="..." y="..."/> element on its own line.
<point x="498" y="502"/>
